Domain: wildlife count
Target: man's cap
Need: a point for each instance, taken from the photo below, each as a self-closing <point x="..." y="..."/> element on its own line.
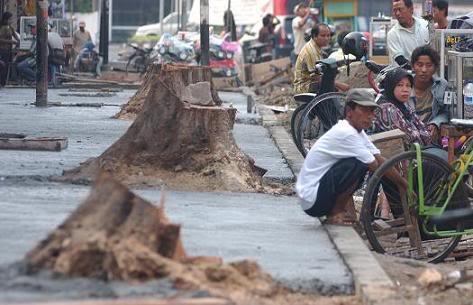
<point x="362" y="97"/>
<point x="298" y="6"/>
<point x="81" y="23"/>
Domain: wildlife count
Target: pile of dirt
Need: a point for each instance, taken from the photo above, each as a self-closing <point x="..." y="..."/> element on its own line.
<point x="358" y="77"/>
<point x="422" y="283"/>
<point x="116" y="235"/>
<point x="182" y="138"/>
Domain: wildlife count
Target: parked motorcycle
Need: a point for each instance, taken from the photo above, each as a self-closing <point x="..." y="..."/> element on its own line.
<point x="222" y="56"/>
<point x="139" y="60"/>
<point x="172" y="49"/>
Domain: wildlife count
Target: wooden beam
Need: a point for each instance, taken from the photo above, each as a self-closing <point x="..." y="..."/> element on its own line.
<point x="42" y="143"/>
<point x="196" y="301"/>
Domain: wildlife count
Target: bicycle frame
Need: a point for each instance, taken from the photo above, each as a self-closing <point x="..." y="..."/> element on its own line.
<point x="438" y="208"/>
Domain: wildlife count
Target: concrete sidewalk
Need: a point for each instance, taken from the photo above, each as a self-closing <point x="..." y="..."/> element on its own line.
<point x="292" y="247"/>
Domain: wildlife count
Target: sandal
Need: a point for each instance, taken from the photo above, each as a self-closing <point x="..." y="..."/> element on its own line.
<point x="344" y="220"/>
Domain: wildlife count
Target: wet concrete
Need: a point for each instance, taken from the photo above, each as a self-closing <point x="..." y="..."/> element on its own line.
<point x="291" y="246"/>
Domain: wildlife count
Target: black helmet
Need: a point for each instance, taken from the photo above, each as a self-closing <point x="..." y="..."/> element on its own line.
<point x="356" y="44"/>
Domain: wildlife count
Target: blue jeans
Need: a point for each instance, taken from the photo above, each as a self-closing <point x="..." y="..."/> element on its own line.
<point x="26" y="71"/>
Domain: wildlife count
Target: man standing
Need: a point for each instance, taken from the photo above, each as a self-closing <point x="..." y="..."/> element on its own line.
<point x="304" y="80"/>
<point x="409" y="33"/>
<point x="440" y="13"/>
<point x="300" y="24"/>
<point x="80" y="37"/>
<point x="337" y="163"/>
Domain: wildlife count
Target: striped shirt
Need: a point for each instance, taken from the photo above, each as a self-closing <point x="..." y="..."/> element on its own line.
<point x="309" y="55"/>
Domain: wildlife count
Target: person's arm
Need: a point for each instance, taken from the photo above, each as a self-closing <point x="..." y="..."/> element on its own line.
<point x="303" y="20"/>
<point x="342" y="86"/>
<point x="392" y="174"/>
<point x="395" y="48"/>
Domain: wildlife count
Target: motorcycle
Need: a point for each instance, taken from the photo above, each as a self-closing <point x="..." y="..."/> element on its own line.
<point x="222" y="56"/>
<point x="171" y="49"/>
<point x="140" y="59"/>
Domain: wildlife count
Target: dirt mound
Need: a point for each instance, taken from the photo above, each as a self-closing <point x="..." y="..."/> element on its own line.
<point x="116" y="235"/>
<point x="358" y="77"/>
<point x="181" y="139"/>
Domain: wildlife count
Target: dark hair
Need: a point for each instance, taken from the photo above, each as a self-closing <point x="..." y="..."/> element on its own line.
<point x="425" y="51"/>
<point x="266" y="20"/>
<point x="316" y="29"/>
<point x="408" y="3"/>
<point x="442" y="5"/>
<point x="389" y="83"/>
<point x="350" y="105"/>
<point x="5" y="17"/>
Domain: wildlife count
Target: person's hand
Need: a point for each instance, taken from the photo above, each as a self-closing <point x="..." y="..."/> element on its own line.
<point x="434" y="132"/>
<point x="342" y="86"/>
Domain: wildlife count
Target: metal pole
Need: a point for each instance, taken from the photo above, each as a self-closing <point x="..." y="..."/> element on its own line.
<point x="161" y="16"/>
<point x="204" y="32"/>
<point x="41" y="53"/>
<point x="103" y="49"/>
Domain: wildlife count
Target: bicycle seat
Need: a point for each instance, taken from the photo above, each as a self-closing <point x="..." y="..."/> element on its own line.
<point x="304" y="97"/>
<point x="462" y="122"/>
<point x="374" y="67"/>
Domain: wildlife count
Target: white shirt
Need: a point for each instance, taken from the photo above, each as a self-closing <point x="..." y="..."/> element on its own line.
<point x="299" y="32"/>
<point x="402" y="41"/>
<point x="55" y="41"/>
<point x="340" y="142"/>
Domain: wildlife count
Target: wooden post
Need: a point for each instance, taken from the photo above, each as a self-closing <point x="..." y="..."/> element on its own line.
<point x="204" y="32"/>
<point x="41" y="53"/>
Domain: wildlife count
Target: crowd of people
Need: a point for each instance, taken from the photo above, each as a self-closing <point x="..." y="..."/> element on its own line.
<point x="411" y="99"/>
<point x="83" y="52"/>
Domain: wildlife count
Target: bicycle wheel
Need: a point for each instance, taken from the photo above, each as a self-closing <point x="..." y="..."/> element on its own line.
<point x="318" y="117"/>
<point x="295" y="118"/>
<point x="396" y="234"/>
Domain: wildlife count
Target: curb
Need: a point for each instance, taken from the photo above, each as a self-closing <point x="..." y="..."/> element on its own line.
<point x="372" y="283"/>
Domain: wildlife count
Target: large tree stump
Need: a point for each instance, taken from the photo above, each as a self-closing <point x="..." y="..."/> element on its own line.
<point x="176" y="143"/>
<point x="112" y="235"/>
<point x="135" y="105"/>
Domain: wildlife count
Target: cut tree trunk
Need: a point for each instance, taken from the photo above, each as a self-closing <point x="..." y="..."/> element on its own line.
<point x="197" y="74"/>
<point x="112" y="235"/>
<point x="173" y="142"/>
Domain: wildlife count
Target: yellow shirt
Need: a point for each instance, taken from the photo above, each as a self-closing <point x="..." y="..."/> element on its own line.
<point x="309" y="55"/>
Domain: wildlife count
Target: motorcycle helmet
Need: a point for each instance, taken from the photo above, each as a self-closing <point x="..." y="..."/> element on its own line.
<point x="356" y="44"/>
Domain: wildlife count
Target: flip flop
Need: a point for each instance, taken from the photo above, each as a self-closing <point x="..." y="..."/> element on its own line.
<point x="340" y="221"/>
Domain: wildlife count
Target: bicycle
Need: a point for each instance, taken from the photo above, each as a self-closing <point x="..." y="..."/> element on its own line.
<point x="311" y="120"/>
<point x="434" y="188"/>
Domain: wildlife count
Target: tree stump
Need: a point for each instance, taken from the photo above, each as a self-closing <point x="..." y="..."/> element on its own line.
<point x="134" y="106"/>
<point x="112" y="235"/>
<point x="180" y="139"/>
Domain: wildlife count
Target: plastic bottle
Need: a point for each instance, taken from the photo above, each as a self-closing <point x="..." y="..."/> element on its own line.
<point x="468" y="94"/>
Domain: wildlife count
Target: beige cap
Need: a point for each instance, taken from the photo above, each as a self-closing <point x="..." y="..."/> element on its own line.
<point x="362" y="97"/>
<point x="82" y="23"/>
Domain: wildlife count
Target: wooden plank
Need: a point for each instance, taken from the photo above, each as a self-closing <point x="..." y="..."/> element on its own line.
<point x="177" y="301"/>
<point x="261" y="71"/>
<point x="42" y="143"/>
<point x="220" y="83"/>
<point x="387" y="135"/>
